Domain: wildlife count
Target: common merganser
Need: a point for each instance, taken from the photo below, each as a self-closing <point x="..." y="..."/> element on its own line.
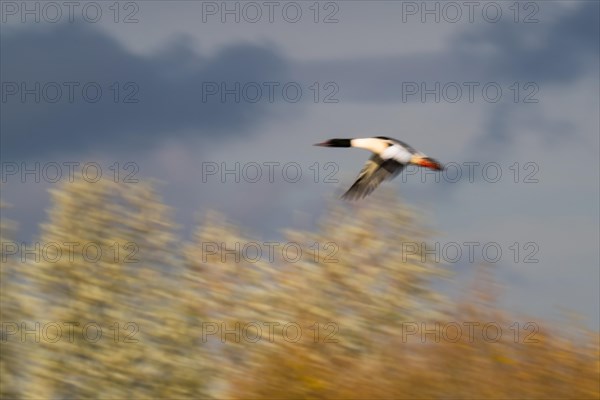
<point x="389" y="159"/>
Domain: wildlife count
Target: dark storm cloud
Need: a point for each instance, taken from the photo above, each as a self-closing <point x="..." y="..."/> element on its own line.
<point x="551" y="51"/>
<point x="555" y="53"/>
<point x="546" y="51"/>
<point x="170" y="81"/>
<point x="170" y="92"/>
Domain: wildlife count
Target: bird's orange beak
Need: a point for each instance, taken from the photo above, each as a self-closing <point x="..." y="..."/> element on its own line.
<point x="428" y="162"/>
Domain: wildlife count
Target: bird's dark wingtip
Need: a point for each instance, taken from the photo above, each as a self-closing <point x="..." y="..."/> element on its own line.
<point x="353" y="195"/>
<point x="347" y="196"/>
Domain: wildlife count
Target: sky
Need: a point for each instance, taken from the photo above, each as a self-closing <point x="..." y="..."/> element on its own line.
<point x="505" y="94"/>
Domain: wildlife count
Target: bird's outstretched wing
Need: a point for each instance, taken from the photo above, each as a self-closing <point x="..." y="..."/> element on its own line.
<point x="375" y="171"/>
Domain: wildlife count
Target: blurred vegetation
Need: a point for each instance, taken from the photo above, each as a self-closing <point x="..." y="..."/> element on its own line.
<point x="350" y="290"/>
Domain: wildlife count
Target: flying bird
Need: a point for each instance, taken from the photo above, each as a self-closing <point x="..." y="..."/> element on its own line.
<point x="389" y="159"/>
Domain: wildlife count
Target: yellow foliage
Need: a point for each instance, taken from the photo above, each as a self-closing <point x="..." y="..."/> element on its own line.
<point x="200" y="319"/>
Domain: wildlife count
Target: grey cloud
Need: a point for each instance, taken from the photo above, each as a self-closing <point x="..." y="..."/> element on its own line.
<point x="170" y="92"/>
<point x="551" y="51"/>
<point x="170" y="81"/>
<point x="546" y="51"/>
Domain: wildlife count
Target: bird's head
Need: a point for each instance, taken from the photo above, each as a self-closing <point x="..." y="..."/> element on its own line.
<point x="336" y="143"/>
<point x="427" y="162"/>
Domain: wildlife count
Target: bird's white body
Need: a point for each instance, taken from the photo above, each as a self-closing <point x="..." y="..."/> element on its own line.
<point x="387" y="149"/>
<point x="374" y="145"/>
<point x="398" y="153"/>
